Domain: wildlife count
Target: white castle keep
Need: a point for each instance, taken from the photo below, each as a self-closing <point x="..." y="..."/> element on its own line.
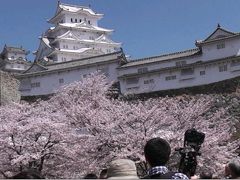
<point x="75" y="35"/>
<point x="76" y="46"/>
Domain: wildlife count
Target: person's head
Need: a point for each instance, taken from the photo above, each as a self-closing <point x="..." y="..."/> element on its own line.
<point x="157" y="152"/>
<point x="122" y="169"/>
<point x="234" y="168"/>
<point x="90" y="176"/>
<point x="103" y="174"/>
<point x="29" y="174"/>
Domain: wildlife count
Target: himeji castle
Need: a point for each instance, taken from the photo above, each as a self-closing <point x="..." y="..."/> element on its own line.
<point x="76" y="46"/>
<point x="70" y="50"/>
<point x="75" y="34"/>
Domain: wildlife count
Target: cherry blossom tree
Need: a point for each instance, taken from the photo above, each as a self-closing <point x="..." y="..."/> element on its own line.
<point x="81" y="129"/>
<point x="120" y="129"/>
<point x="32" y="136"/>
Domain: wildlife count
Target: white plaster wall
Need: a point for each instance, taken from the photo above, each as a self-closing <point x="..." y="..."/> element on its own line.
<point x="16" y="66"/>
<point x="212" y="75"/>
<point x="16" y="55"/>
<point x="71" y="44"/>
<point x="158" y="65"/>
<point x="49" y="83"/>
<point x="85" y="35"/>
<point x="83" y="17"/>
<point x="232" y="48"/>
<point x="61" y="57"/>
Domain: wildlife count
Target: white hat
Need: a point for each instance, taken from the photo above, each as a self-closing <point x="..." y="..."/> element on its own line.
<point x="122" y="169"/>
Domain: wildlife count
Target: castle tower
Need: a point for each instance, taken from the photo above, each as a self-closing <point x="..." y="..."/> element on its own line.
<point x="13" y="59"/>
<point x="75" y="35"/>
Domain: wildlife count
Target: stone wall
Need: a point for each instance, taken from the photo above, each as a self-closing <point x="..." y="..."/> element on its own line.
<point x="8" y="88"/>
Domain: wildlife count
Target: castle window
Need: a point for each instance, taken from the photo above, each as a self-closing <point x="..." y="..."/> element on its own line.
<point x="221" y="46"/>
<point x="80" y="20"/>
<point x="132" y="80"/>
<point x="89" y="22"/>
<point x="75" y="20"/>
<point x="65" y="46"/>
<point x="181" y="63"/>
<point x="12" y="57"/>
<point x="169" y="78"/>
<point x="104" y="70"/>
<point x="202" y="73"/>
<point x="149" y="81"/>
<point x="71" y="19"/>
<point x="187" y="71"/>
<point x="133" y="89"/>
<point x="235" y="63"/>
<point x="143" y="70"/>
<point x="61" y="81"/>
<point x="222" y="68"/>
<point x="36" y="84"/>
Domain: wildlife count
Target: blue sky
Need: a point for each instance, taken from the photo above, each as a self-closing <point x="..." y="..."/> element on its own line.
<point x="145" y="27"/>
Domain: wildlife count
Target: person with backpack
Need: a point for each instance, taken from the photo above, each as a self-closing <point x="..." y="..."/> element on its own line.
<point x="157" y="152"/>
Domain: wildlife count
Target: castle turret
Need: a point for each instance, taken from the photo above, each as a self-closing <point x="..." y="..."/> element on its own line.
<point x="13" y="59"/>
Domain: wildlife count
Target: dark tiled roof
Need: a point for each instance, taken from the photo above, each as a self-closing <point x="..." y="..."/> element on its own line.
<point x="164" y="57"/>
<point x="199" y="63"/>
<point x="209" y="39"/>
<point x="16" y="49"/>
<point x="78" y="63"/>
<point x="85" y="61"/>
<point x="222" y="29"/>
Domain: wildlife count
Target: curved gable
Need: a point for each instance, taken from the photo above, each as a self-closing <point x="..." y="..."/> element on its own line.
<point x="219" y="33"/>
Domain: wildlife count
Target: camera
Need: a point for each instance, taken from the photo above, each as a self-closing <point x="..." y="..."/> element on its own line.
<point x="192" y="144"/>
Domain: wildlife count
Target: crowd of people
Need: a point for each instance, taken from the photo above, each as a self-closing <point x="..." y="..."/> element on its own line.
<point x="157" y="153"/>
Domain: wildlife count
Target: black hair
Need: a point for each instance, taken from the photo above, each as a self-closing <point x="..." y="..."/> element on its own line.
<point x="103" y="174"/>
<point x="234" y="167"/>
<point x="90" y="176"/>
<point x="29" y="174"/>
<point x="157" y="152"/>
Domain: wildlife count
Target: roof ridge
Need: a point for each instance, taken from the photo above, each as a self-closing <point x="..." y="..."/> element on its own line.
<point x="74" y="5"/>
<point x="223" y="29"/>
<point x="15" y="47"/>
<point x="33" y="64"/>
<point x="165" y="55"/>
<point x="75" y="60"/>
